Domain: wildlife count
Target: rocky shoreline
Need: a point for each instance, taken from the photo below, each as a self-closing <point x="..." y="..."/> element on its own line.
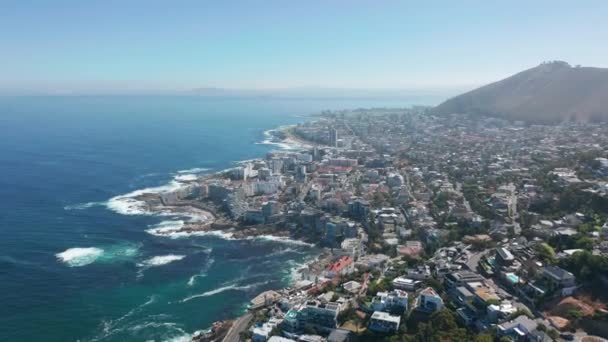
<point x="201" y="217"/>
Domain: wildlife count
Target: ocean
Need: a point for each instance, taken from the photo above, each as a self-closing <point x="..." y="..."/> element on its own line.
<point x="79" y="262"/>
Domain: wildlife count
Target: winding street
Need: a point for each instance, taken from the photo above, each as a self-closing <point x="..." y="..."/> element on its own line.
<point x="239" y="326"/>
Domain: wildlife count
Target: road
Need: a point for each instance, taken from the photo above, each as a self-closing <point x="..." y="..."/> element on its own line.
<point x="239" y="326"/>
<point x="474" y="259"/>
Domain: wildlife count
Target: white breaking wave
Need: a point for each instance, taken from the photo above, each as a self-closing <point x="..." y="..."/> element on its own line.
<point x="172" y="229"/>
<point x="270" y="139"/>
<point x="186" y="177"/>
<point x="282" y="239"/>
<point x="77" y="257"/>
<point x="82" y="256"/>
<point x="203" y="273"/>
<point x="224" y="289"/>
<point x="160" y="260"/>
<point x="294" y="274"/>
<point x="128" y="324"/>
<point x="192" y="279"/>
<point x="183" y="338"/>
<point x="217" y="233"/>
<point x="127" y="204"/>
<point x="194" y="170"/>
<point x="83" y="206"/>
<point x="166" y="228"/>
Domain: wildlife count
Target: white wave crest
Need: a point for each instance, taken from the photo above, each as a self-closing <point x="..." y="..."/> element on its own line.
<point x="160" y="260"/>
<point x="282" y="239"/>
<point x="127" y="204"/>
<point x="182" y="338"/>
<point x="193" y="170"/>
<point x="77" y="257"/>
<point x="165" y="228"/>
<point x="287" y="144"/>
<point x="82" y="206"/>
<point x="232" y="287"/>
<point x="203" y="273"/>
<point x="217" y="233"/>
<point x="82" y="256"/>
<point x="172" y="229"/>
<point x="186" y="178"/>
<point x="193" y="278"/>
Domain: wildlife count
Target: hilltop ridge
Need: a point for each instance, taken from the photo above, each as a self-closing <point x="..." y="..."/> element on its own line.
<point x="548" y="93"/>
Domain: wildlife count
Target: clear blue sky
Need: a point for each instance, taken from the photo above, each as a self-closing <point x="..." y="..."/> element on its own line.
<point x="169" y="45"/>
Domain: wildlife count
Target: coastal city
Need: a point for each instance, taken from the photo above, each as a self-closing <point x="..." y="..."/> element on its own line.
<point x="429" y="229"/>
<point x="304" y="171"/>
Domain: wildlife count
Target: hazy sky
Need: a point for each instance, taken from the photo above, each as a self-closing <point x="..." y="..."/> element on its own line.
<point x="55" y="45"/>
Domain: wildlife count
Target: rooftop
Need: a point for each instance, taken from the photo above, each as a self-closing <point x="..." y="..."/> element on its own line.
<point x="385" y="316"/>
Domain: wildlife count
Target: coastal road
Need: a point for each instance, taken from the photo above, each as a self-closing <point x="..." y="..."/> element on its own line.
<point x="239" y="326"/>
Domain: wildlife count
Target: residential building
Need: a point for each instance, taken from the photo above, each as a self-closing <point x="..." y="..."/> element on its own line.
<point x="517" y="329"/>
<point x="406" y="284"/>
<point x="344" y="265"/>
<point x="429" y="301"/>
<point x="384" y="322"/>
<point x="394" y="301"/>
<point x="460" y="278"/>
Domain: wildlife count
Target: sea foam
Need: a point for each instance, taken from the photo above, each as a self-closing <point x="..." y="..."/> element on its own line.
<point x="186" y="177"/>
<point x="82" y="206"/>
<point x="203" y="272"/>
<point x="166" y="228"/>
<point x="160" y="260"/>
<point x="78" y="256"/>
<point x="282" y="239"/>
<point x="194" y="170"/>
<point x="82" y="256"/>
<point x="232" y="287"/>
<point x="127" y="204"/>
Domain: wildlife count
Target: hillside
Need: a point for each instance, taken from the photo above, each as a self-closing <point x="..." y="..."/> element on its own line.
<point x="551" y="92"/>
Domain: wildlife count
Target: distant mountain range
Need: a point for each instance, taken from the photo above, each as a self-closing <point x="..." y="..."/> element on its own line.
<point x="549" y="93"/>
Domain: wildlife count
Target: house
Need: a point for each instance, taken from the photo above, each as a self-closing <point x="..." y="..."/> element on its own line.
<point x="343" y="266"/>
<point x="406" y="284"/>
<point x="323" y="316"/>
<point x="461" y="295"/>
<point x="352" y="287"/>
<point x="429" y="301"/>
<point x="504" y="256"/>
<point x="311" y="338"/>
<point x="372" y="261"/>
<point x="261" y="334"/>
<point x="456" y="279"/>
<point x="499" y="312"/>
<point x="384" y="322"/>
<point x="395" y="300"/>
<point x="485" y="295"/>
<point x="558" y="278"/>
<point x="280" y="339"/>
<point x="517" y="329"/>
<point x="466" y="315"/>
<point x="422" y="272"/>
<point x="339" y="335"/>
<point x="411" y="249"/>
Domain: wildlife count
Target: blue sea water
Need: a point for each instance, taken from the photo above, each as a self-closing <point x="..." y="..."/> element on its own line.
<point x="72" y="268"/>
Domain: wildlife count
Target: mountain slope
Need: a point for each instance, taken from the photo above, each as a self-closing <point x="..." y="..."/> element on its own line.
<point x="551" y="92"/>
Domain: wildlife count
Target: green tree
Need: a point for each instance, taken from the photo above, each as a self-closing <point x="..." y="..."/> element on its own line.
<point x="553" y="334"/>
<point x="545" y="252"/>
<point x="484" y="338"/>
